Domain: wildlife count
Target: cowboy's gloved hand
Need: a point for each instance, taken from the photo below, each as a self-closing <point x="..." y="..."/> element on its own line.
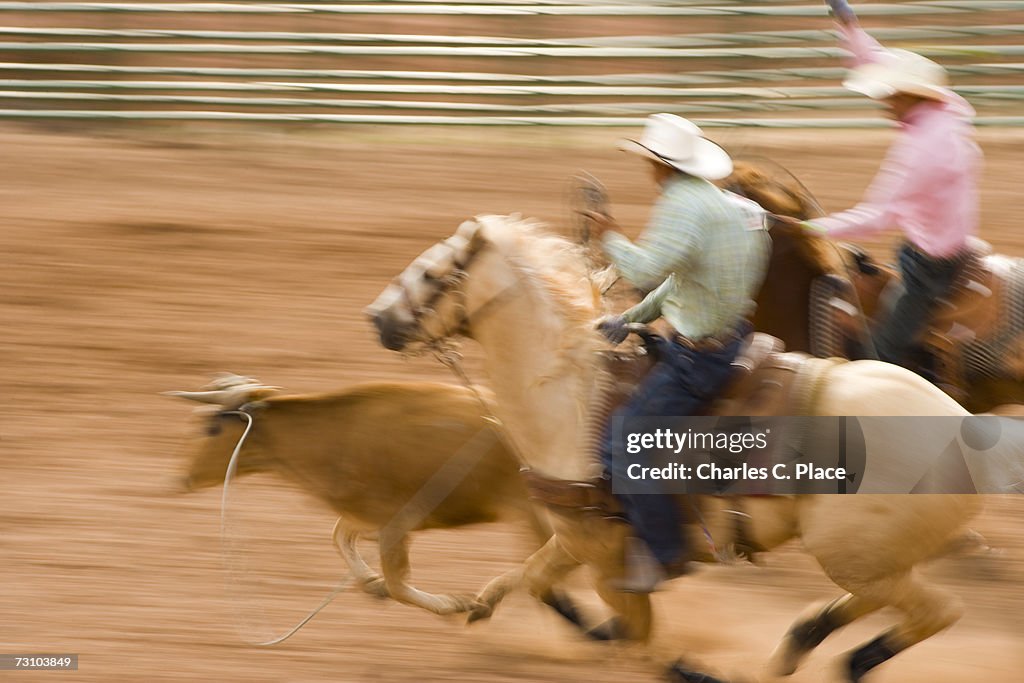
<point x="614" y="329"/>
<point x="842" y="11"/>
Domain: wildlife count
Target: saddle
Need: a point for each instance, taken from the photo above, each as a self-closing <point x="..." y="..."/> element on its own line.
<point x="759" y="385"/>
<point x="972" y="332"/>
<point x="765" y="381"/>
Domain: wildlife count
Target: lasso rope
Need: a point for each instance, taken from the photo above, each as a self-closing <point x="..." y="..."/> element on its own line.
<point x="228" y="476"/>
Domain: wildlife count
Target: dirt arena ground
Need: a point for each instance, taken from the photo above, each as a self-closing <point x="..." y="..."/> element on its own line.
<point x="146" y="260"/>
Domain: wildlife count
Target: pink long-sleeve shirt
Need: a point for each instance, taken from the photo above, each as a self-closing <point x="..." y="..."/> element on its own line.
<point x="927" y="186"/>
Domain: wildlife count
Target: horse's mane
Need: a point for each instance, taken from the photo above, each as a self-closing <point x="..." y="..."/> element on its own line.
<point x="559" y="264"/>
<point x="773" y="188"/>
<point x="559" y="268"/>
<point x="778" y="191"/>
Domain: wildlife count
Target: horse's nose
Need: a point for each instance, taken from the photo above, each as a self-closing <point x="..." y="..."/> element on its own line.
<point x="388" y="331"/>
<point x="372" y="314"/>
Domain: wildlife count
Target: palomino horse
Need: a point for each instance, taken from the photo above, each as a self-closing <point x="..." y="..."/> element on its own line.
<point x="525" y="296"/>
<point x="807" y="301"/>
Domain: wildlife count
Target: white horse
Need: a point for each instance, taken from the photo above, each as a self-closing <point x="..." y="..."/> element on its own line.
<point x="527" y="299"/>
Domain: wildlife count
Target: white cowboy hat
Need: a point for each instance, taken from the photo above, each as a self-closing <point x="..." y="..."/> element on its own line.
<point x="901" y="72"/>
<point x="676" y="142"/>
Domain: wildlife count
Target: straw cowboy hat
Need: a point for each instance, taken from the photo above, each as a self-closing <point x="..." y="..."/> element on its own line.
<point x="676" y="142"/>
<point x="901" y="72"/>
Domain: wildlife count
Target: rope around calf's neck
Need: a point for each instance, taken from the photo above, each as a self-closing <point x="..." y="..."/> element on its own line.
<point x="343" y="584"/>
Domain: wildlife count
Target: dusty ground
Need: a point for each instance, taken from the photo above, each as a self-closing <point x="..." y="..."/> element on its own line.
<point x="139" y="263"/>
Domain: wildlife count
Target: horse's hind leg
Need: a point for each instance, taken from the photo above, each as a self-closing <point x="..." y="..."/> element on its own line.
<point x="807" y="634"/>
<point x="926" y="609"/>
<point x="394" y="559"/>
<point x="370" y="581"/>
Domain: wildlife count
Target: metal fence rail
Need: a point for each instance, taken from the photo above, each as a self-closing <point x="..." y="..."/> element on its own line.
<point x="746" y="93"/>
<point x="752" y="38"/>
<point x="754" y="73"/>
<point x="505" y="52"/>
<point x="689" y="78"/>
<point x="459" y="120"/>
<point x="921" y="7"/>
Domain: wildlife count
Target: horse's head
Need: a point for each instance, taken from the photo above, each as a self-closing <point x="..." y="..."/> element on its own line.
<point x="427" y="301"/>
<point x="525" y="296"/>
<point x="492" y="265"/>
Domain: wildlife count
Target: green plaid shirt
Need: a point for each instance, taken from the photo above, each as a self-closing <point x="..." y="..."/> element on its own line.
<point x="704" y="255"/>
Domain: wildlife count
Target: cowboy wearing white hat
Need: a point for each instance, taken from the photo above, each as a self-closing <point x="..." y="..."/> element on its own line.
<point x="677" y="142"/>
<point x="702" y="259"/>
<point x="901" y="71"/>
<point x="927" y="186"/>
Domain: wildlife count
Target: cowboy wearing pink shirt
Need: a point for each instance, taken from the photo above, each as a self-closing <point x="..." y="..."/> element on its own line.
<point x="926" y="187"/>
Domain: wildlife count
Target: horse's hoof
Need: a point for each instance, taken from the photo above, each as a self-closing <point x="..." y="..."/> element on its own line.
<point x="480" y="611"/>
<point x="862" y="660"/>
<point x="677" y="673"/>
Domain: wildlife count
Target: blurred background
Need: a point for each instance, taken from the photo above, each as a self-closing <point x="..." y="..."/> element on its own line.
<point x="195" y="188"/>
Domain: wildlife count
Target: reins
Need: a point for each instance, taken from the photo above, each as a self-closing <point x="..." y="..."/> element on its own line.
<point x="447" y="354"/>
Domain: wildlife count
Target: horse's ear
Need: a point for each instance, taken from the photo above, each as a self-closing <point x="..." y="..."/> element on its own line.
<point x="472" y="232"/>
<point x="467" y="229"/>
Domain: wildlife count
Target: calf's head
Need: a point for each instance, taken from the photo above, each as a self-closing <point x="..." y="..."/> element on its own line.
<point x="223" y="426"/>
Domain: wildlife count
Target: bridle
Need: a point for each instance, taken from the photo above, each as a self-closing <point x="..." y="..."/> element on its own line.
<point x="423" y="312"/>
<point x="450" y="285"/>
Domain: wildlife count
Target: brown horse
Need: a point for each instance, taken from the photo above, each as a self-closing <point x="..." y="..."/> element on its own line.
<point x="823" y="297"/>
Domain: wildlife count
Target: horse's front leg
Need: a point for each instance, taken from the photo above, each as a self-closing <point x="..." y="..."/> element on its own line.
<point x="578" y="540"/>
<point x="542" y="570"/>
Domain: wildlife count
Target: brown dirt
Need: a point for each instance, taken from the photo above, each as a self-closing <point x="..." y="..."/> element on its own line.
<point x="145" y="262"/>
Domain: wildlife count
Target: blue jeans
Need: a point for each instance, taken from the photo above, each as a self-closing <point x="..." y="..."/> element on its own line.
<point x="925" y="281"/>
<point x="680" y="383"/>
